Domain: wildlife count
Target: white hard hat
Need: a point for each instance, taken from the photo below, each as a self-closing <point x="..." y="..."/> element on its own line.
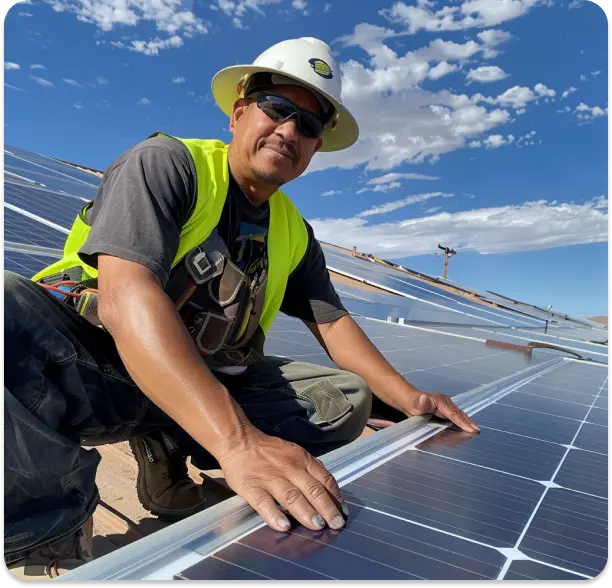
<point x="307" y="62"/>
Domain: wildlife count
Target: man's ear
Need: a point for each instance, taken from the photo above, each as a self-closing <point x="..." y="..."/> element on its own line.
<point x="238" y="110"/>
<point x="319" y="144"/>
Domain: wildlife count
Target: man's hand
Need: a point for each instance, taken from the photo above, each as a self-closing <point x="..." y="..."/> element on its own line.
<point x="267" y="470"/>
<point x="349" y="347"/>
<point x="442" y="406"/>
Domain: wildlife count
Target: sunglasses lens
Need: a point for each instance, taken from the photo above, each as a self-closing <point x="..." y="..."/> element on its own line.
<point x="279" y="110"/>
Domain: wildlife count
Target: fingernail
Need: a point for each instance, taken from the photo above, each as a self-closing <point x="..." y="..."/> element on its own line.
<point x="345" y="509"/>
<point x="318" y="521"/>
<point x="283" y="523"/>
<point x="337" y="522"/>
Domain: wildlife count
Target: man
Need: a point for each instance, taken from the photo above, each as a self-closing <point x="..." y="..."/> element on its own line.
<point x="152" y="327"/>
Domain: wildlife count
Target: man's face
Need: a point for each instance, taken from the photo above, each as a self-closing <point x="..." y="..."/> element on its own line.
<point x="273" y="153"/>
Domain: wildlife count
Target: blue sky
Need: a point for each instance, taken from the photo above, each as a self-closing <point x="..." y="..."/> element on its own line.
<point x="483" y="122"/>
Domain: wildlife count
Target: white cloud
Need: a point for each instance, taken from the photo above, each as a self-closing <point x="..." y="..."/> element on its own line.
<point x="71" y="82"/>
<point x="327" y="7"/>
<point x="10" y="86"/>
<point x="104" y="104"/>
<point x="503" y="229"/>
<point x="100" y="81"/>
<point x="569" y="91"/>
<point x="397" y="204"/>
<point x="486" y="73"/>
<point x="589" y="76"/>
<point x="167" y="15"/>
<point x="493" y="142"/>
<point x="394" y="176"/>
<point x="43" y="82"/>
<point x="443" y="68"/>
<point x="528" y="140"/>
<point x="178" y="80"/>
<point x="37" y="66"/>
<point x="24" y="14"/>
<point x="391" y="181"/>
<point x="79" y="105"/>
<point x="300" y="5"/>
<point x="400" y="120"/>
<point x="11" y="65"/>
<point x="588" y="113"/>
<point x="433" y="209"/>
<point x="237" y="10"/>
<point x="153" y="46"/>
<point x="492" y="38"/>
<point x="331" y="192"/>
<point x="469" y="14"/>
<point x="575" y="4"/>
<point x="381" y="187"/>
<point x="517" y="96"/>
<point x="144" y="101"/>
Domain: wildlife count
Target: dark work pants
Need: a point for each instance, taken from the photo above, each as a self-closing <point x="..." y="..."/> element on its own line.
<point x="65" y="386"/>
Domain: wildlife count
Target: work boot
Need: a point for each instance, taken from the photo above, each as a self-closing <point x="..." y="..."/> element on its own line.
<point x="57" y="558"/>
<point x="164" y="486"/>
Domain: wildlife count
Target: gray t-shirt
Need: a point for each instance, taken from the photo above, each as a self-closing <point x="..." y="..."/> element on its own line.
<point x="149" y="192"/>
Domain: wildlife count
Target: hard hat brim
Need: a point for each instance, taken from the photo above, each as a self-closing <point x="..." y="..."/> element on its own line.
<point x="224" y="89"/>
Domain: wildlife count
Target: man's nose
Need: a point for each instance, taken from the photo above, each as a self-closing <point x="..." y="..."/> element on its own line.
<point x="288" y="129"/>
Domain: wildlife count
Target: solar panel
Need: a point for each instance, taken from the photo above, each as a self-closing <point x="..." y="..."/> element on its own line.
<point x="57" y="208"/>
<point x="74" y="173"/>
<point x="519" y="337"/>
<point x="402" y="283"/>
<point x="457" y="506"/>
<point x="49" y="178"/>
<point x="25" y="264"/>
<point x="384" y="305"/>
<point x="19" y="228"/>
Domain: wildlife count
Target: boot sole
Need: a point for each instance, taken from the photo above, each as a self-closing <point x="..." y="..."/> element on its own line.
<point x="165" y="514"/>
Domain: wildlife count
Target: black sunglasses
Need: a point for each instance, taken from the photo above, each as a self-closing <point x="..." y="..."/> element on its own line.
<point x="280" y="109"/>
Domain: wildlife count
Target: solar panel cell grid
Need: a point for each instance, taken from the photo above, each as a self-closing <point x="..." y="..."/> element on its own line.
<point x="25" y="264"/>
<point x="51" y="178"/>
<point x="57" y="208"/>
<point x="21" y="229"/>
<point x="585" y="471"/>
<point x="390" y="278"/>
<point x="569" y="531"/>
<point x="530" y="570"/>
<point x="491" y="491"/>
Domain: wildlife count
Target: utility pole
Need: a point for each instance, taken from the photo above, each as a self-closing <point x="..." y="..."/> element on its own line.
<point x="448" y="253"/>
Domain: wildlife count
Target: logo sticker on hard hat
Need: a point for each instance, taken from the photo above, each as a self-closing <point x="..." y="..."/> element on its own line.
<point x="321" y="68"/>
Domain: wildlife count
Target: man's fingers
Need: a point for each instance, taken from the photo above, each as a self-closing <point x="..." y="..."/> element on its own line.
<point x="264" y="504"/>
<point x="320" y="498"/>
<point x="291" y="497"/>
<point x="316" y="469"/>
<point x="447" y="409"/>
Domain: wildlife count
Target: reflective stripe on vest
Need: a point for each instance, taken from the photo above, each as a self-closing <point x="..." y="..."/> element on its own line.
<point x="287" y="234"/>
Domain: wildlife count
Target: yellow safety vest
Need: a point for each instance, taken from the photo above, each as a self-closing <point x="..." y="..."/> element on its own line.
<point x="287" y="235"/>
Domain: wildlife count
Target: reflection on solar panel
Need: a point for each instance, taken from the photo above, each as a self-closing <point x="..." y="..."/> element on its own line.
<point x="525" y="499"/>
<point x="403" y="284"/>
<point x="60" y="178"/>
<point x="26" y="264"/>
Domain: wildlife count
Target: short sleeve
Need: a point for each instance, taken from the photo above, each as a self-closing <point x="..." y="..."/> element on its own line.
<point x="144" y="199"/>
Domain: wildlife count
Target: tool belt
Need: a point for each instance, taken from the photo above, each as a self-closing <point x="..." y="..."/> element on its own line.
<point x="220" y="304"/>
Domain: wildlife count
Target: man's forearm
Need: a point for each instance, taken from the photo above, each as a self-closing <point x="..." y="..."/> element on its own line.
<point x="161" y="358"/>
<point x="350" y="348"/>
